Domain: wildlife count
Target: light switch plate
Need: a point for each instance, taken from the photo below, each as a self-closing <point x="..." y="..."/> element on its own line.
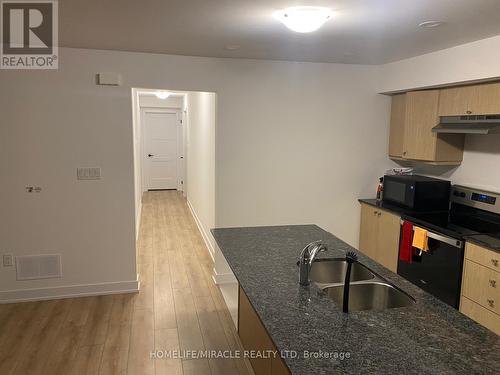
<point x="88" y="173"/>
<point x="8" y="260"/>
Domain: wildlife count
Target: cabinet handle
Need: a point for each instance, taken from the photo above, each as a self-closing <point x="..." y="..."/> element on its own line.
<point x="375" y="212"/>
<point x="468" y="112"/>
<point x="494" y="262"/>
<point x="491" y="303"/>
<point x="379" y="214"/>
<point x="493" y="283"/>
<point x="404" y="152"/>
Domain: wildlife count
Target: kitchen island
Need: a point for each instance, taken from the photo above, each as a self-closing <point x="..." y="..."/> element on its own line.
<point x="429" y="337"/>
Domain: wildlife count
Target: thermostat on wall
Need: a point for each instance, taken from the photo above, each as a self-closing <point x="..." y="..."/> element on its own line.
<point x="109" y="79"/>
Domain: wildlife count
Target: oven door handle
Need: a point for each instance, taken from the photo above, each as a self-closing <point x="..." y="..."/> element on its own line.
<point x="447" y="240"/>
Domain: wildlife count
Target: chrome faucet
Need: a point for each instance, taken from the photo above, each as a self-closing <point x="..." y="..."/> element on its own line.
<point x="306" y="260"/>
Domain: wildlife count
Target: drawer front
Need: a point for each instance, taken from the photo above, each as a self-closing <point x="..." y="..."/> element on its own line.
<point x="482" y="285"/>
<point x="481" y="315"/>
<point x="483" y="256"/>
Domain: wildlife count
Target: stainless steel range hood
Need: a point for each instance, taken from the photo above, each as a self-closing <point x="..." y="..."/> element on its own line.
<point x="469" y="124"/>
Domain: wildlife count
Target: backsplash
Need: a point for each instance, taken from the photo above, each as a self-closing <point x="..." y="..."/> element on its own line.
<point x="481" y="165"/>
<point x="480" y="168"/>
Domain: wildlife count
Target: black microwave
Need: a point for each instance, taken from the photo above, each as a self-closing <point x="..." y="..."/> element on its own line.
<point x="417" y="193"/>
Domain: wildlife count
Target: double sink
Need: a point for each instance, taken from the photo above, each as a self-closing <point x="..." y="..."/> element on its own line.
<point x="367" y="291"/>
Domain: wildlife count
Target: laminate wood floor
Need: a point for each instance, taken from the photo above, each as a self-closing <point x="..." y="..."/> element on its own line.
<point x="178" y="308"/>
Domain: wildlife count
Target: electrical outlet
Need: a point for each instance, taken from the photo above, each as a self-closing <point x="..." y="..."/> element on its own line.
<point x="8" y="260"/>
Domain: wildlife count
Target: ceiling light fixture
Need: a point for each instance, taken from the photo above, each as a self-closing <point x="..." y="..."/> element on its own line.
<point x="303" y="19"/>
<point x="162" y="94"/>
<point x="430" y="24"/>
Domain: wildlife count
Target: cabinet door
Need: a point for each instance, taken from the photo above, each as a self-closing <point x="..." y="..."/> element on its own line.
<point x="486" y="100"/>
<point x="456" y="101"/>
<point x="368" y="230"/>
<point x="389" y="228"/>
<point x="397" y="132"/>
<point x="421" y="116"/>
<point x="253" y="335"/>
<point x="278" y="367"/>
<point x="481" y="315"/>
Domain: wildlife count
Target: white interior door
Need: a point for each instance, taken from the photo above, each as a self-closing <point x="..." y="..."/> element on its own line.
<point x="161" y="149"/>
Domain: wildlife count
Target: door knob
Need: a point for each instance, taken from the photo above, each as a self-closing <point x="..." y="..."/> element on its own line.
<point x="493" y="283"/>
<point x="495" y="262"/>
<point x="150" y="155"/>
<point x="491" y="303"/>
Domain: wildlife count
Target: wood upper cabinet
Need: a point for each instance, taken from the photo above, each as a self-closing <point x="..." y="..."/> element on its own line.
<point x="411" y="136"/>
<point x="421" y="116"/>
<point x="466" y="100"/>
<point x="254" y="337"/>
<point x="456" y="101"/>
<point x="379" y="236"/>
<point x="398" y="116"/>
<point x="486" y="100"/>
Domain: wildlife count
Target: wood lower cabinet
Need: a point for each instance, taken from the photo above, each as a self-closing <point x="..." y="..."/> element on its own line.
<point x="254" y="337"/>
<point x="480" y="298"/>
<point x="379" y="236"/>
<point x="481" y="99"/>
<point x="413" y="115"/>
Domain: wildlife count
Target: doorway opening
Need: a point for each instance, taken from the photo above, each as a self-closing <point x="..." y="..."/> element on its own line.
<point x="174" y="149"/>
<point x="160" y="116"/>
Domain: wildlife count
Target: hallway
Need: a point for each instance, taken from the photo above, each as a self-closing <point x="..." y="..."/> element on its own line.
<point x="178" y="308"/>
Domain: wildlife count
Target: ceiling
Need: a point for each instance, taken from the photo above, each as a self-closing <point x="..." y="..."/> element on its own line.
<point x="360" y="32"/>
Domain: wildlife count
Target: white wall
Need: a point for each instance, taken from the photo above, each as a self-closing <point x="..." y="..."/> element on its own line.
<point x="201" y="112"/>
<point x="295" y="143"/>
<point x="475" y="61"/>
<point x="52" y="123"/>
<point x="137" y="141"/>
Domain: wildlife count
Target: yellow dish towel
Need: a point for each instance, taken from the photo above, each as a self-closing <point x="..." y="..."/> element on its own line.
<point x="420" y="239"/>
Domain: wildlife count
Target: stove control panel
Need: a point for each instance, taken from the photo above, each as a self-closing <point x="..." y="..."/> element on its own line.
<point x="481" y="199"/>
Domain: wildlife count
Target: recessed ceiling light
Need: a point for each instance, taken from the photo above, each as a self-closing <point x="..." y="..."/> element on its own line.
<point x="304" y="19"/>
<point x="232" y="47"/>
<point x="430" y="24"/>
<point x="162" y="94"/>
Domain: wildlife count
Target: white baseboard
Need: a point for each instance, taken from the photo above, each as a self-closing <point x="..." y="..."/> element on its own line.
<point x="223" y="278"/>
<point x="41" y="294"/>
<point x="202" y="230"/>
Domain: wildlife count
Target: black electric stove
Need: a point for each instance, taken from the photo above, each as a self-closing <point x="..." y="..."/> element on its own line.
<point x="475" y="215"/>
<point x="472" y="212"/>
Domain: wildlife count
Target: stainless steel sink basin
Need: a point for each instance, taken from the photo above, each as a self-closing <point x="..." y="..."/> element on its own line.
<point x="370" y="296"/>
<point x="332" y="271"/>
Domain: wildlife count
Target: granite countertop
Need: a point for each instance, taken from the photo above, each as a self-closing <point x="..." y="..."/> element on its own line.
<point x="388" y="207"/>
<point x="485" y="240"/>
<point x="428" y="337"/>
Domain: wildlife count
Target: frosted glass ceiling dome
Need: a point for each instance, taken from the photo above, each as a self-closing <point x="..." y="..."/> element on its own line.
<point x="303" y="19"/>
